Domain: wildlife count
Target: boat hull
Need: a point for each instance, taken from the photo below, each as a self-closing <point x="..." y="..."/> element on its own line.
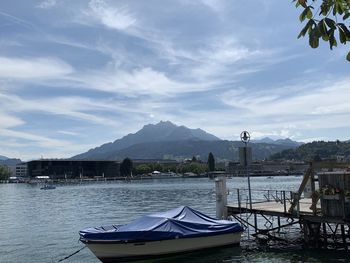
<point x="108" y="251"/>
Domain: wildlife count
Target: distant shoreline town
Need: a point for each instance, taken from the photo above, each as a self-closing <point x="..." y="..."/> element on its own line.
<point x="165" y="150"/>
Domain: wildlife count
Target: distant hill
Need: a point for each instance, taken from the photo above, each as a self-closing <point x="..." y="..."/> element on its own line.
<point x="3" y="157"/>
<point x="222" y="150"/>
<point x="10" y="161"/>
<point x="166" y="140"/>
<point x="163" y="131"/>
<point x="286" y="142"/>
<point x="318" y="150"/>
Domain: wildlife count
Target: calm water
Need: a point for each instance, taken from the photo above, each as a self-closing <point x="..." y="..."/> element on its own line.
<point x="42" y="226"/>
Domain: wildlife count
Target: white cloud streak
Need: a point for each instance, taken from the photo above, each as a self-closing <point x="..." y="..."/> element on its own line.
<point x="33" y="68"/>
<point x="47" y="4"/>
<point x="114" y="18"/>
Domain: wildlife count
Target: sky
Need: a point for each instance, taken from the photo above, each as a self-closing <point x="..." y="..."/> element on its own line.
<point x="77" y="74"/>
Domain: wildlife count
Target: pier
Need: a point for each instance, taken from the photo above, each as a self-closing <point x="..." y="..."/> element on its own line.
<point x="318" y="215"/>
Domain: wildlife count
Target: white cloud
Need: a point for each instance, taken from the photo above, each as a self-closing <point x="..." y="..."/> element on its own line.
<point x="41" y="140"/>
<point x="47" y="4"/>
<point x="33" y="68"/>
<point x="68" y="133"/>
<point x="144" y="81"/>
<point x="315" y="98"/>
<point x="8" y="121"/>
<point x="111" y="17"/>
<point x="214" y="4"/>
<point x="71" y="107"/>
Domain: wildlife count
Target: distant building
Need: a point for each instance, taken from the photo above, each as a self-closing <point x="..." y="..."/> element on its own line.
<point x="71" y="169"/>
<point x="155" y="161"/>
<point x="266" y="168"/>
<point x="21" y="170"/>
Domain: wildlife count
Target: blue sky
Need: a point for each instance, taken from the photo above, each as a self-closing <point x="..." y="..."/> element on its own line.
<point x="77" y="74"/>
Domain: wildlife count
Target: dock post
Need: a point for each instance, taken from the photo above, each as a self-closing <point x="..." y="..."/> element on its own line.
<point x="343" y="237"/>
<point x="238" y="199"/>
<point x="221" y="197"/>
<point x="325" y="236"/>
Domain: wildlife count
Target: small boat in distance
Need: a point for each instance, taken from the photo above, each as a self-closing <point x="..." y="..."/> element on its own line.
<point x="48" y="187"/>
<point x="158" y="235"/>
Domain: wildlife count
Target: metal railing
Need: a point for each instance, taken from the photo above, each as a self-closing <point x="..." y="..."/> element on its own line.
<point x="240" y="197"/>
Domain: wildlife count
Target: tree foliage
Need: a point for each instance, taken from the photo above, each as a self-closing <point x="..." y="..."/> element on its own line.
<point x="211" y="162"/>
<point x="126" y="167"/>
<point x="4" y="173"/>
<point x="315" y="151"/>
<point x="327" y="22"/>
<point x="193" y="167"/>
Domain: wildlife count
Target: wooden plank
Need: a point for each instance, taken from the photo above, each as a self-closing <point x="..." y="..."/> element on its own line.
<point x="272" y="208"/>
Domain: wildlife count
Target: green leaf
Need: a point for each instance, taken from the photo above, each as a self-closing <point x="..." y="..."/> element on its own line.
<point x="322" y="28"/>
<point x="342" y="36"/>
<point x="330" y="23"/>
<point x="348" y="56"/>
<point x="303" y="15"/>
<point x="314" y="36"/>
<point x="309" y="14"/>
<point x="314" y="42"/>
<point x="345" y="29"/>
<point x="346" y="16"/>
<point x="332" y="41"/>
<point x="324" y="9"/>
<point x="306" y="28"/>
<point x="325" y="38"/>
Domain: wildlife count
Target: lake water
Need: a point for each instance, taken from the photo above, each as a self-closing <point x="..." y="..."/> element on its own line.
<point x="42" y="226"/>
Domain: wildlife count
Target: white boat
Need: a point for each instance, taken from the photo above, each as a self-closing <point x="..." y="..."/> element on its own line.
<point x="176" y="231"/>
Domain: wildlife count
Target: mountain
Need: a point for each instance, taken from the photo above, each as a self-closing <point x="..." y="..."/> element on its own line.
<point x="10" y="161"/>
<point x="166" y="140"/>
<point x="164" y="131"/>
<point x="3" y="157"/>
<point x="285" y="142"/>
<point x="264" y="140"/>
<point x="179" y="150"/>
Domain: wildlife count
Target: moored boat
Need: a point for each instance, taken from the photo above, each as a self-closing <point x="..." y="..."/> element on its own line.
<point x="48" y="187"/>
<point x="176" y="231"/>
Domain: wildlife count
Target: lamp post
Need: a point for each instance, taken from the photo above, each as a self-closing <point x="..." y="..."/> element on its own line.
<point x="245" y="138"/>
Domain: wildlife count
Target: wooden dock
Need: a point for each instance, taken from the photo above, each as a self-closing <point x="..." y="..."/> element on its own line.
<point x="272" y="208"/>
<point x="278" y="210"/>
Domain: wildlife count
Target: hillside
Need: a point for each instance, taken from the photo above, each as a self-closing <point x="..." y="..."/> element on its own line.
<point x="166" y="140"/>
<point x="3" y="157"/>
<point x="164" y="131"/>
<point x="223" y="150"/>
<point x="10" y="161"/>
<point x="285" y="142"/>
<point x="318" y="150"/>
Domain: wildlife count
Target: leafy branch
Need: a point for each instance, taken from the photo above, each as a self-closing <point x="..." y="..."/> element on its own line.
<point x="323" y="24"/>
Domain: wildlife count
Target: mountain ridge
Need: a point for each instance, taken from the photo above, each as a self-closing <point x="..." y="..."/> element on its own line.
<point x="165" y="139"/>
<point x="162" y="131"/>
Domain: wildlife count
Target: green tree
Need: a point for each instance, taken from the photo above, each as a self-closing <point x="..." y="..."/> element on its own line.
<point x="4" y="173"/>
<point x="195" y="167"/>
<point x="126" y="167"/>
<point x="143" y="169"/>
<point x="323" y="22"/>
<point x="211" y="162"/>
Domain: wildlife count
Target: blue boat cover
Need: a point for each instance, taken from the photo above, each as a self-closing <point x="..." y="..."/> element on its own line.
<point x="181" y="222"/>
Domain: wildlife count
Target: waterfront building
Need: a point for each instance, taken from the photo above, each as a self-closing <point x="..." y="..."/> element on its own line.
<point x="73" y="169"/>
<point x="21" y="170"/>
<point x="266" y="168"/>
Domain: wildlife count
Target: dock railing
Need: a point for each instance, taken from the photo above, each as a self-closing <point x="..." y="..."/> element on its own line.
<point x="240" y="197"/>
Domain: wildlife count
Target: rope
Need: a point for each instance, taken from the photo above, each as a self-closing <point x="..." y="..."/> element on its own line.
<point x="76" y="252"/>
